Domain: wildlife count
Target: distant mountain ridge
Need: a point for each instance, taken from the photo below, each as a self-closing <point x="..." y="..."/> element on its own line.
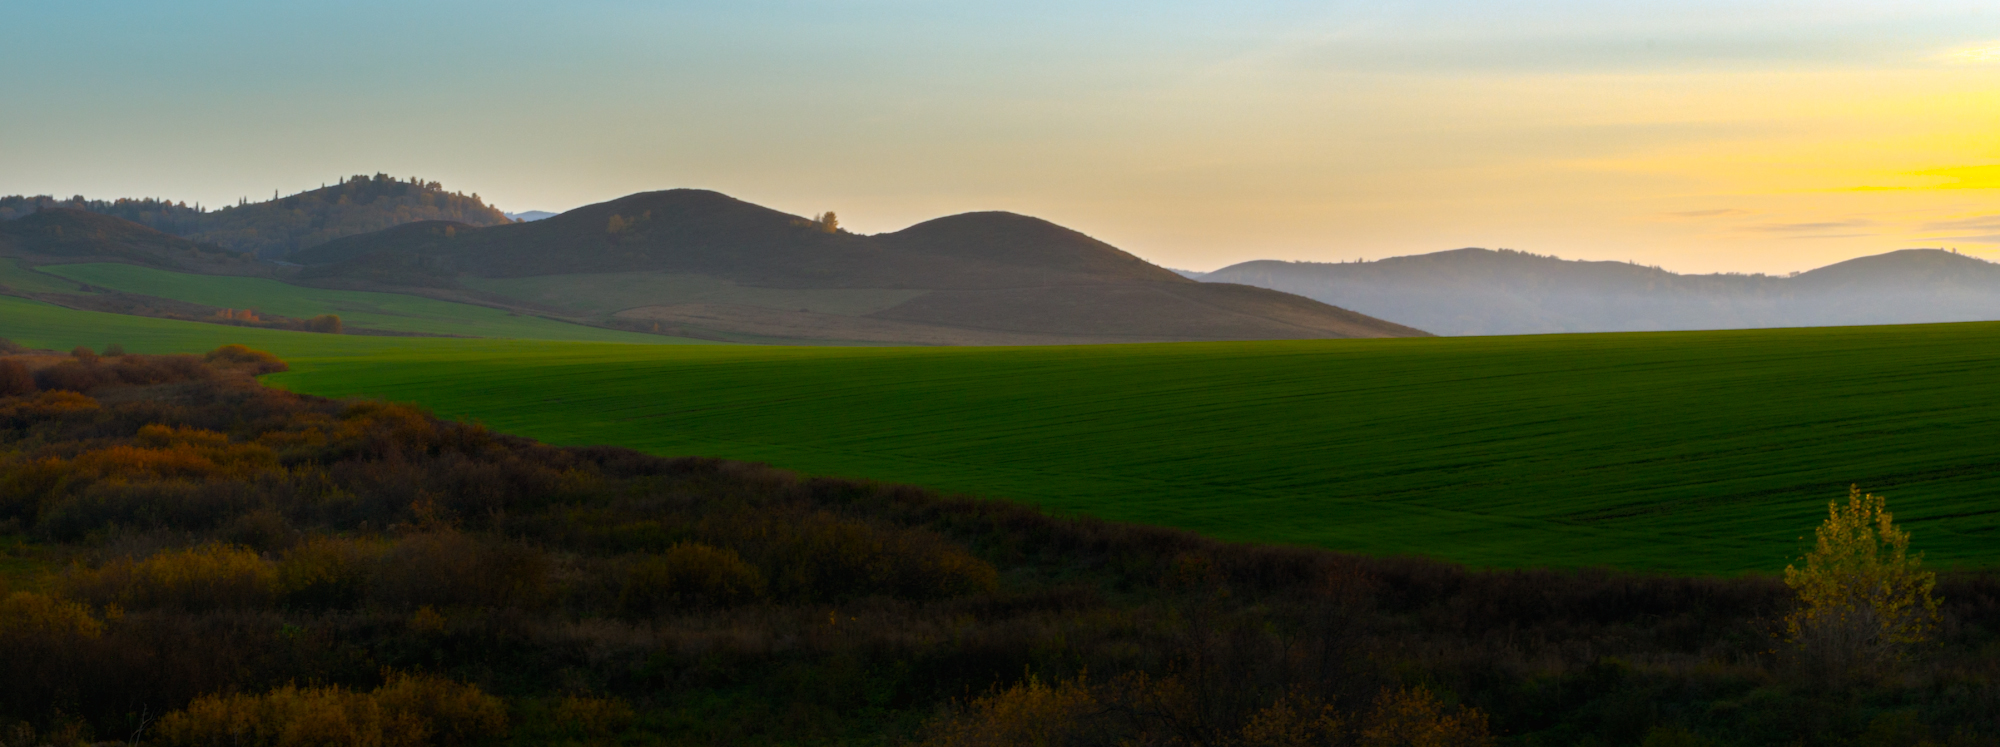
<point x="276" y="228"/>
<point x="1485" y="292"/>
<point x="988" y="278"/>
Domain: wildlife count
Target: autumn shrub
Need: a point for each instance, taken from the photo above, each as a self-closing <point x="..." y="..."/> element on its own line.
<point x="71" y="513"/>
<point x="210" y="577"/>
<point x="450" y="713"/>
<point x="160" y="369"/>
<point x="47" y="408"/>
<point x="451" y="569"/>
<point x="27" y="485"/>
<point x="15" y="379"/>
<point x="689" y="574"/>
<point x="257" y="361"/>
<point x="324" y="323"/>
<point x="375" y="430"/>
<point x="83" y="354"/>
<point x="326" y="572"/>
<point x="1028" y="713"/>
<point x="75" y="376"/>
<point x="287" y="716"/>
<point x="162" y="452"/>
<point x="822" y="556"/>
<point x="407" y="711"/>
<point x="10" y="347"/>
<point x="1862" y="597"/>
<point x="1415" y="717"/>
<point x="25" y="614"/>
<point x="261" y="529"/>
<point x="1294" y="720"/>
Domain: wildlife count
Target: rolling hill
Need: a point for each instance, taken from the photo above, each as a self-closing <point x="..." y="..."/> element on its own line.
<point x="64" y="235"/>
<point x="282" y="225"/>
<point x="1685" y="451"/>
<point x="977" y="278"/>
<point x="89" y="261"/>
<point x="1484" y="292"/>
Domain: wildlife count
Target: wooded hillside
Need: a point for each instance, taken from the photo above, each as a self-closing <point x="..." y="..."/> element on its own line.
<point x="280" y="226"/>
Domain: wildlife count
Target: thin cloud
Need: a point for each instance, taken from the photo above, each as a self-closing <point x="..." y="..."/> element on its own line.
<point x="1982" y="55"/>
<point x="1810" y="227"/>
<point x="1832" y="236"/>
<point x="1981" y="223"/>
<point x="1717" y="213"/>
<point x="1993" y="238"/>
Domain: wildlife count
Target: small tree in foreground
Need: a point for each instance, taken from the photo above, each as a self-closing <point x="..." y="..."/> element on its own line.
<point x="1862" y="597"/>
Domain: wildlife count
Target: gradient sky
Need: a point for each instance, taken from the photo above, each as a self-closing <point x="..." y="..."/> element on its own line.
<point x="1701" y="136"/>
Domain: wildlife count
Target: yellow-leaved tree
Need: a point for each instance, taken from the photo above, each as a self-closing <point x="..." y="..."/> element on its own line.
<point x="1863" y="598"/>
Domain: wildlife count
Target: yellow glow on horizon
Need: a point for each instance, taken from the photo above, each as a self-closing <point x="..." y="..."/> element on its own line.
<point x="1975" y="55"/>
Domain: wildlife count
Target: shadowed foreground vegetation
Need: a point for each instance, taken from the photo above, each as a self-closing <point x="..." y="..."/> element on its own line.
<point x="187" y="557"/>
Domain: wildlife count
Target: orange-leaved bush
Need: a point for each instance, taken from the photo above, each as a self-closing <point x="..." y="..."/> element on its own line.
<point x="1415" y="717"/>
<point x="209" y="577"/>
<point x="408" y="711"/>
<point x="257" y="361"/>
<point x="28" y="614"/>
<point x="1028" y="713"/>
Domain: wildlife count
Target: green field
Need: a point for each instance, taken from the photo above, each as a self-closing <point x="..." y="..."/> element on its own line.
<point x="41" y="325"/>
<point x="1691" y="452"/>
<point x="22" y="279"/>
<point x="392" y="312"/>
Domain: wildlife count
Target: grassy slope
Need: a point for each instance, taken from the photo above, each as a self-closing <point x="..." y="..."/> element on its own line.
<point x="611" y="292"/>
<point x="44" y="326"/>
<point x="1698" y="451"/>
<point x="385" y="311"/>
<point x="13" y="275"/>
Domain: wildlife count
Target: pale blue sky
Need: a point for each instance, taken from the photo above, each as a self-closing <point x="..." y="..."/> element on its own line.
<point x="1193" y="134"/>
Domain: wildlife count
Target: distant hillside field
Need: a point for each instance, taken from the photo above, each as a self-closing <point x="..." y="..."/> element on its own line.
<point x="1690" y="452"/>
<point x="1482" y="292"/>
<point x="377" y="311"/>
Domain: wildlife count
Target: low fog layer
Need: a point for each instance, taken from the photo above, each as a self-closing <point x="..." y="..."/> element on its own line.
<point x="1504" y="292"/>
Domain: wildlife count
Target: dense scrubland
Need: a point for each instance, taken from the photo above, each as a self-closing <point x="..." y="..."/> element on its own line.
<point x="193" y="558"/>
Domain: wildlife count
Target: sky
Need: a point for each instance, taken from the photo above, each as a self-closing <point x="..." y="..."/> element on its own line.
<point x="1700" y="136"/>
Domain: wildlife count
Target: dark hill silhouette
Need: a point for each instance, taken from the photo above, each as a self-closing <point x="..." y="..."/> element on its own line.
<point x="1009" y="249"/>
<point x="282" y="225"/>
<point x="1480" y="291"/>
<point x="699" y="231"/>
<point x="984" y="277"/>
<point x="64" y="235"/>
